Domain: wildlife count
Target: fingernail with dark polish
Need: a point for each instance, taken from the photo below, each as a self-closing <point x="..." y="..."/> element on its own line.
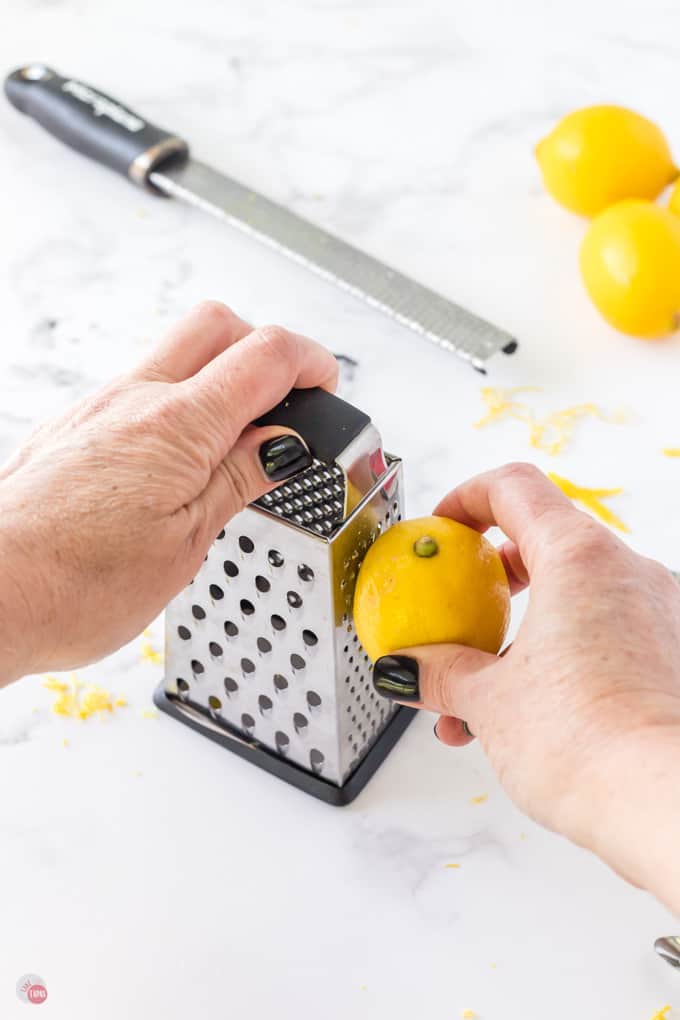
<point x="284" y="456"/>
<point x="466" y="729"/>
<point x="396" y="677"/>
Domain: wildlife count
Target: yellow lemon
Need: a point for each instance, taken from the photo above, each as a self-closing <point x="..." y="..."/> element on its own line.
<point x="630" y="263"/>
<point x="428" y="581"/>
<point x="601" y="155"/>
<point x="674" y="200"/>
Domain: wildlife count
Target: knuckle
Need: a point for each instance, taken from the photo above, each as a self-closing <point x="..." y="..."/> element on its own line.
<point x="279" y="342"/>
<point x="215" y="312"/>
<point x="521" y="471"/>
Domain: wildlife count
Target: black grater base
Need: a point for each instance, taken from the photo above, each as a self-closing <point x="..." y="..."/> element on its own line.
<point x="291" y="773"/>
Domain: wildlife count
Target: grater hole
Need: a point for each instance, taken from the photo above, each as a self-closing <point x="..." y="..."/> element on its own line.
<point x="305" y="573"/>
<point x="395" y="506"/>
<point x="230" y="629"/>
<point x="246" y="544"/>
<point x="230" y="568"/>
<point x="248" y="666"/>
<point x="216" y="592"/>
<point x="275" y="558"/>
<point x="300" y="722"/>
<point x="230" y="686"/>
<point x="198" y="612"/>
<point x="215" y="650"/>
<point x="316" y="759"/>
<point x="297" y="662"/>
<point x="262" y="584"/>
<point x="184" y="632"/>
<point x="280" y="683"/>
<point x="220" y="536"/>
<point x="247" y="721"/>
<point x="182" y="686"/>
<point x="310" y="638"/>
<point x="282" y="741"/>
<point x="197" y="667"/>
<point x="278" y="622"/>
<point x="265" y="705"/>
<point x="215" y="704"/>
<point x="313" y="701"/>
<point x="263" y="645"/>
<point x="247" y="607"/>
<point x="294" y="600"/>
<point x="346" y="649"/>
<point x="351" y="659"/>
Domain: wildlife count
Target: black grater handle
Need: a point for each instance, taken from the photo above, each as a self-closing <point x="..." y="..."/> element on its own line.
<point x="326" y="423"/>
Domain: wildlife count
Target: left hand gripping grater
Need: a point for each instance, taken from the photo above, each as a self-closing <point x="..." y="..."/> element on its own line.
<point x="261" y="651"/>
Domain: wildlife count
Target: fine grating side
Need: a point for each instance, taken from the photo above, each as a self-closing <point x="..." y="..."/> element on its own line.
<point x="263" y="639"/>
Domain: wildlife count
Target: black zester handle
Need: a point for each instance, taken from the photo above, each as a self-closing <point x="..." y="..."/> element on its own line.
<point x="326" y="423"/>
<point x="91" y="122"/>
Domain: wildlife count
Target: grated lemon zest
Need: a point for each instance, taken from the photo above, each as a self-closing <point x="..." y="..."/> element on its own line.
<point x="149" y="653"/>
<point x="592" y="499"/>
<point x="79" y="700"/>
<point x="468" y="1014"/>
<point x="550" y="434"/>
<point x="671" y="451"/>
<point x="149" y="713"/>
<point x="452" y="865"/>
<point x="662" y="1014"/>
<point x="480" y="799"/>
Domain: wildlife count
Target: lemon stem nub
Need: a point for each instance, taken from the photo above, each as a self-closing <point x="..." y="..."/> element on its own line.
<point x="425" y="546"/>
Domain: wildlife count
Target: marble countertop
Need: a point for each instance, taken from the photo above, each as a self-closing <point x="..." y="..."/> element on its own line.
<point x="143" y="871"/>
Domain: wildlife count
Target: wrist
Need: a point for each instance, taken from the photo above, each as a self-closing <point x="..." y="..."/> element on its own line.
<point x="19" y="601"/>
<point x="632" y="818"/>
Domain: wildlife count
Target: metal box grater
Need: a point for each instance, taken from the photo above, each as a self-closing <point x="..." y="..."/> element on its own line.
<point x="261" y="651"/>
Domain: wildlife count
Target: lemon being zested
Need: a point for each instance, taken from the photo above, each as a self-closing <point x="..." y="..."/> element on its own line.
<point x="630" y="264"/>
<point x="431" y="581"/>
<point x="600" y="155"/>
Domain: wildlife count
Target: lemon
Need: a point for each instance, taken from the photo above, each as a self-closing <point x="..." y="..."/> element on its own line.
<point x="630" y="263"/>
<point x="428" y="581"/>
<point x="600" y="155"/>
<point x="674" y="200"/>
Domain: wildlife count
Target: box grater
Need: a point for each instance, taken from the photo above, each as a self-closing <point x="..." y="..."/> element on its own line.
<point x="261" y="651"/>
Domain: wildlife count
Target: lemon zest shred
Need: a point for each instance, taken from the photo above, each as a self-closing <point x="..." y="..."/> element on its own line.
<point x="480" y="799"/>
<point x="468" y="1014"/>
<point x="671" y="451"/>
<point x="550" y="434"/>
<point x="592" y="499"/>
<point x="662" y="1014"/>
<point x="149" y="653"/>
<point x="79" y="700"/>
<point x="452" y="865"/>
<point x="149" y="713"/>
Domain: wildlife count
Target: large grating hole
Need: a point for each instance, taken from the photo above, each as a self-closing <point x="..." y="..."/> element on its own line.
<point x="184" y="632"/>
<point x="278" y="622"/>
<point x="197" y="667"/>
<point x="316" y="759"/>
<point x="262" y="584"/>
<point x="247" y="721"/>
<point x="265" y="705"/>
<point x="305" y="573"/>
<point x="215" y="650"/>
<point x="313" y="701"/>
<point x="294" y="600"/>
<point x="297" y="662"/>
<point x="182" y="686"/>
<point x="246" y="544"/>
<point x="300" y="722"/>
<point x="220" y="536"/>
<point x="310" y="638"/>
<point x="282" y="741"/>
<point x="275" y="558"/>
<point x="230" y="686"/>
<point x="247" y="607"/>
<point x="215" y="703"/>
<point x="248" y="666"/>
<point x="230" y="629"/>
<point x="263" y="645"/>
<point x="198" y="612"/>
<point x="230" y="568"/>
<point x="216" y="592"/>
<point x="280" y="683"/>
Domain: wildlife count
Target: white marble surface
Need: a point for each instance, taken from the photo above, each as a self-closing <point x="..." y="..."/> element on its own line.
<point x="143" y="871"/>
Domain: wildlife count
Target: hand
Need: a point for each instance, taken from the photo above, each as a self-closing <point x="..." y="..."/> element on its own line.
<point x="107" y="513"/>
<point x="581" y="715"/>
